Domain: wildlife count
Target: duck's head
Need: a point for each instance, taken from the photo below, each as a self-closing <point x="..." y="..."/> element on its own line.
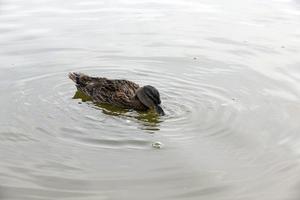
<point x="149" y="96"/>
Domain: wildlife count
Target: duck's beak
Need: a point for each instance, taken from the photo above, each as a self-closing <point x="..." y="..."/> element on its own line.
<point x="159" y="110"/>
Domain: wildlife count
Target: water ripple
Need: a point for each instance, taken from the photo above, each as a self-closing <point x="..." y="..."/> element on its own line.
<point x="190" y="105"/>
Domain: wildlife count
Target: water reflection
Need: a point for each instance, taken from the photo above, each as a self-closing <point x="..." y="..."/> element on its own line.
<point x="148" y="119"/>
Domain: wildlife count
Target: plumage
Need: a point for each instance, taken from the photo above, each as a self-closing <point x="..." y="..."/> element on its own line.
<point x="121" y="93"/>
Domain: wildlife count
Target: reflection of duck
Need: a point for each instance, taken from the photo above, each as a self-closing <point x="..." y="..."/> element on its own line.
<point x="121" y="93"/>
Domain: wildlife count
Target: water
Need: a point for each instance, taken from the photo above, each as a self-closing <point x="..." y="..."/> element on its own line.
<point x="228" y="73"/>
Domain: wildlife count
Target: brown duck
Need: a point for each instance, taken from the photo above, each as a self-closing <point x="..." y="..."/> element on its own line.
<point x="121" y="93"/>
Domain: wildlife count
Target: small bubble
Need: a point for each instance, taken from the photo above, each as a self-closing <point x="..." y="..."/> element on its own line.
<point x="157" y="145"/>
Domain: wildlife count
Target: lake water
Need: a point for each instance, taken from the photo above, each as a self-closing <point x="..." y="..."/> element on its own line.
<point x="229" y="77"/>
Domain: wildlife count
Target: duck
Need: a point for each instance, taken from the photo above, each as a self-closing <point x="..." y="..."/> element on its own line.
<point x="118" y="92"/>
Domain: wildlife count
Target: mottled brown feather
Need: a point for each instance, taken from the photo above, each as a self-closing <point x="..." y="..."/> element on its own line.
<point x="102" y="90"/>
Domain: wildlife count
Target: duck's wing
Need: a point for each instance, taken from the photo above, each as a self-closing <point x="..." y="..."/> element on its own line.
<point x="117" y="92"/>
<point x="103" y="90"/>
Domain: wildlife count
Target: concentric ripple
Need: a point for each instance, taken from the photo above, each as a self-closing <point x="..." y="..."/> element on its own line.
<point x="193" y="109"/>
<point x="228" y="74"/>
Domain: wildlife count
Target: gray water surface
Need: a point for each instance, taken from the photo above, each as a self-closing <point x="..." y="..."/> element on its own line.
<point x="229" y="77"/>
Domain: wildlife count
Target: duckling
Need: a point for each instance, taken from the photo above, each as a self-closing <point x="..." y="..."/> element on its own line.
<point x="121" y="93"/>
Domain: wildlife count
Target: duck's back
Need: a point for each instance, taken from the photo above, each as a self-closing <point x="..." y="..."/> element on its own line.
<point x="103" y="90"/>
